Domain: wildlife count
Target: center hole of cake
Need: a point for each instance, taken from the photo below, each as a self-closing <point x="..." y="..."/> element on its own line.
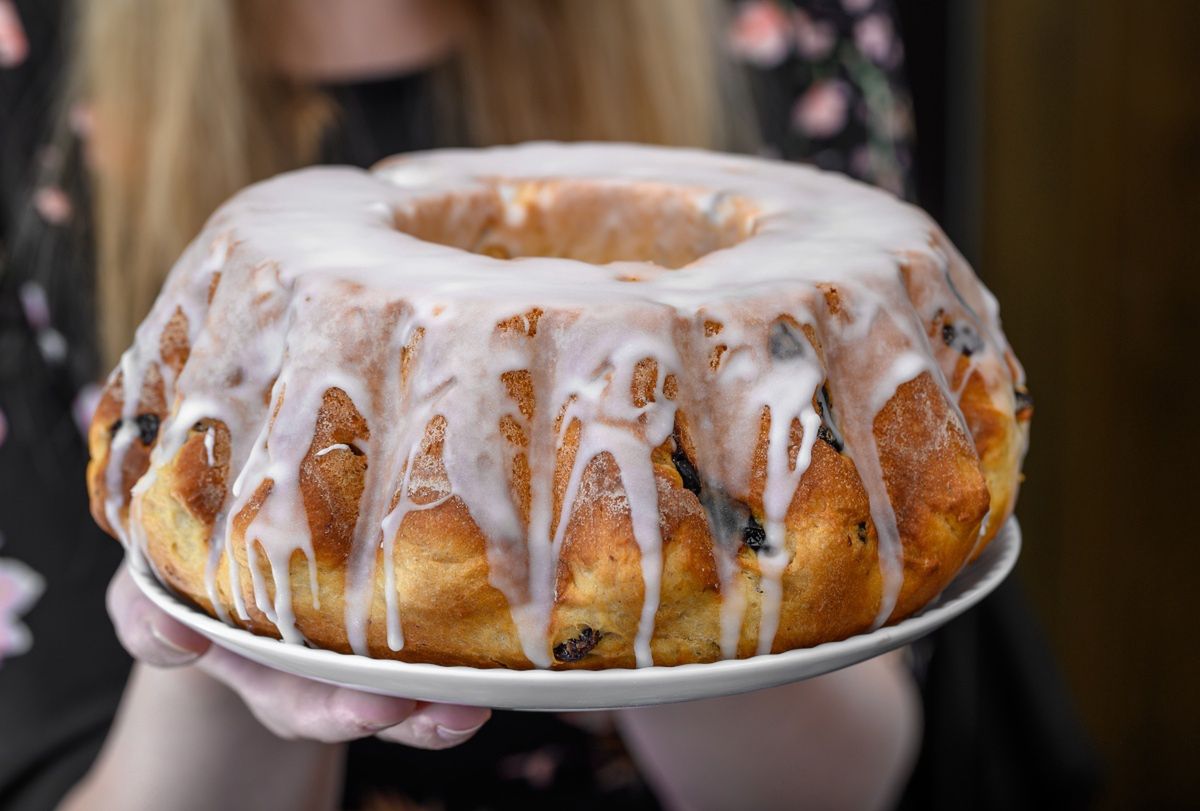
<point x="597" y="222"/>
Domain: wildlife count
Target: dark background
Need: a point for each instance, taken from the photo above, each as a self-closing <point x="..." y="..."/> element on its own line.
<point x="1060" y="147"/>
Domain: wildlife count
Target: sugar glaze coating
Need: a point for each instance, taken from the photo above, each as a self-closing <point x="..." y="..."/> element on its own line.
<point x="787" y="311"/>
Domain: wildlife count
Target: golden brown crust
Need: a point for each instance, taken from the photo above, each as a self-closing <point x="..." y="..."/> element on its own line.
<point x="452" y="614"/>
<point x="106" y="420"/>
<point x="937" y="489"/>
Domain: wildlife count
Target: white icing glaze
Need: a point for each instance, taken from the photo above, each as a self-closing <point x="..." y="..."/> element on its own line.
<point x="319" y="290"/>
<point x="209" y="438"/>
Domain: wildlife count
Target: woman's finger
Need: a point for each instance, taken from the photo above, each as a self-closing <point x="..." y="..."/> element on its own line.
<point x="14" y="46"/>
<point x="146" y="632"/>
<point x="293" y="707"/>
<point x="438" y="726"/>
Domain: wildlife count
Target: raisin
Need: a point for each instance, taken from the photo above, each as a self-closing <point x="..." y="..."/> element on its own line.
<point x="1024" y="401"/>
<point x="785" y="342"/>
<point x="147" y="428"/>
<point x="577" y="647"/>
<point x="687" y="471"/>
<point x="754" y="536"/>
<point x="726" y="515"/>
<point x="862" y="531"/>
<point x="147" y="425"/>
<point x="962" y="337"/>
<point x="824" y="401"/>
<point x="828" y="432"/>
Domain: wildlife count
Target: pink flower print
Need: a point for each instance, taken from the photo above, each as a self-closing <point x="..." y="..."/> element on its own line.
<point x="80" y="120"/>
<point x="821" y="111"/>
<point x="20" y="587"/>
<point x="35" y="305"/>
<point x="84" y="406"/>
<point x="761" y="33"/>
<point x="52" y="204"/>
<point x="876" y="39"/>
<point x="14" y="45"/>
<point x="537" y="768"/>
<point x="814" y="38"/>
<point x="52" y="345"/>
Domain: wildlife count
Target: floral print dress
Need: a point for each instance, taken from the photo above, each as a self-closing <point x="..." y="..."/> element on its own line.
<point x="20" y="587"/>
<point x="829" y="81"/>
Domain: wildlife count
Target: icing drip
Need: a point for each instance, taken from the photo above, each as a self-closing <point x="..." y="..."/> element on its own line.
<point x="610" y="422"/>
<point x="314" y="287"/>
<point x="477" y="458"/>
<point x="181" y="295"/>
<point x="787" y="390"/>
<point x="880" y="353"/>
<point x="390" y="527"/>
<point x="414" y="412"/>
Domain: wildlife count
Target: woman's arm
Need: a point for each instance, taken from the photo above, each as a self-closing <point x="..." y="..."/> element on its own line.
<point x="844" y="740"/>
<point x="183" y="740"/>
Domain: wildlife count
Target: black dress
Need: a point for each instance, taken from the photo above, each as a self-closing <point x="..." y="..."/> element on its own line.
<point x="828" y="79"/>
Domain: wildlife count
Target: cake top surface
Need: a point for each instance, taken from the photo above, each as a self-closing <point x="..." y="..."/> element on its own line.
<point x="599" y="212"/>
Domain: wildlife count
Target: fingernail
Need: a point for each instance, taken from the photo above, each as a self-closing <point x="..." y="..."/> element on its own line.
<point x="448" y="735"/>
<point x="185" y="655"/>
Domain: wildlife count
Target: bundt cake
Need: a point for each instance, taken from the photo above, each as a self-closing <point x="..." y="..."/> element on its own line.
<point x="562" y="406"/>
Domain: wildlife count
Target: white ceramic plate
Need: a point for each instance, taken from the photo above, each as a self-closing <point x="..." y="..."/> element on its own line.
<point x="591" y="690"/>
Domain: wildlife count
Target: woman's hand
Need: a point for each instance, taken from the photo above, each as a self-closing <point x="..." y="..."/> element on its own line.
<point x="14" y="46"/>
<point x="289" y="706"/>
<point x="224" y="732"/>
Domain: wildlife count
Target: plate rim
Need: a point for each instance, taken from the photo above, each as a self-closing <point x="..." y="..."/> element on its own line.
<point x="726" y="677"/>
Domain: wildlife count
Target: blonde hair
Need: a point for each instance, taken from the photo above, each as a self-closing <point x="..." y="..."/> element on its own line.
<point x="184" y="115"/>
